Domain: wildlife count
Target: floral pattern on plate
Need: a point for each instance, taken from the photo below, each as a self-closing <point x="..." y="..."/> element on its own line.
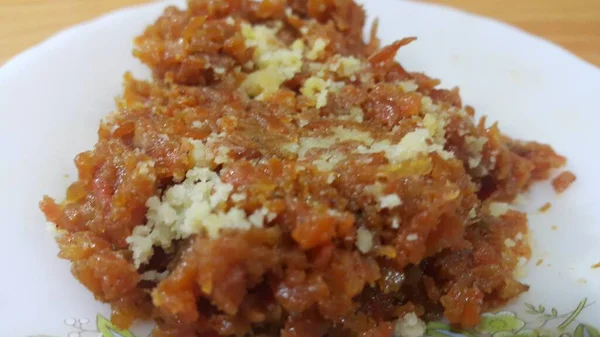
<point x="531" y="322"/>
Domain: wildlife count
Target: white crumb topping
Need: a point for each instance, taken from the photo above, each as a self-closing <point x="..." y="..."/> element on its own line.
<point x="153" y="275"/>
<point x="412" y="237"/>
<point x="276" y="63"/>
<point x="53" y="230"/>
<point x="237" y="197"/>
<point x="331" y="178"/>
<point x="317" y="89"/>
<point x="410" y="326"/>
<point x="498" y="208"/>
<point x="472" y="213"/>
<point x="345" y="66"/>
<point x="436" y="126"/>
<point x="413" y="144"/>
<point x="408" y="86"/>
<point x="510" y="243"/>
<point x="521" y="261"/>
<point x="427" y="105"/>
<point x="364" y="240"/>
<point x="317" y="49"/>
<point x="328" y="161"/>
<point x="390" y="201"/>
<point x="144" y="168"/>
<point x="196" y="205"/>
<point x="475" y="147"/>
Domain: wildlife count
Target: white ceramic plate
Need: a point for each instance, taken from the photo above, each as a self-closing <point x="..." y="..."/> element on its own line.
<point x="53" y="96"/>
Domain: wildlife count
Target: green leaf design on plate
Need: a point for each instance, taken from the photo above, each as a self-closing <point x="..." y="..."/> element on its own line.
<point x="581" y="330"/>
<point x="107" y="329"/>
<point x="503" y="321"/>
<point x="573" y="315"/>
<point x="554" y="312"/>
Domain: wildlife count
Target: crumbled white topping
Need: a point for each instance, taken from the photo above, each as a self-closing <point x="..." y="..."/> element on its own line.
<point x="317" y="49"/>
<point x="390" y="201"/>
<point x="331" y="178"/>
<point x="475" y="147"/>
<point x="53" y="230"/>
<point x="237" y="197"/>
<point x="317" y="89"/>
<point x="355" y="114"/>
<point x="364" y="240"/>
<point x="153" y="275"/>
<point x="144" y="168"/>
<point x="345" y="66"/>
<point x="328" y="161"/>
<point x="510" y="243"/>
<point x="413" y="144"/>
<point x="472" y="213"/>
<point x="276" y="63"/>
<point x="395" y="223"/>
<point x="260" y="215"/>
<point x="410" y="326"/>
<point x="498" y="208"/>
<point x="522" y="261"/>
<point x="343" y="135"/>
<point x="427" y="105"/>
<point x="194" y="206"/>
<point x="230" y="21"/>
<point x="412" y="237"/>
<point x="408" y="86"/>
<point x="519" y="236"/>
<point x="435" y="125"/>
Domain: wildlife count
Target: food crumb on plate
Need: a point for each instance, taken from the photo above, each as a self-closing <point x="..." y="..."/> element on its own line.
<point x="563" y="181"/>
<point x="545" y="207"/>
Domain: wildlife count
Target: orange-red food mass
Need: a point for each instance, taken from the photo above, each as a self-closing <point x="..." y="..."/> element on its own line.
<point x="281" y="176"/>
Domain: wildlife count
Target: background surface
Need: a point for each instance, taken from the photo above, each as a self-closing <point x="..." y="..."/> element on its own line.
<point x="573" y="24"/>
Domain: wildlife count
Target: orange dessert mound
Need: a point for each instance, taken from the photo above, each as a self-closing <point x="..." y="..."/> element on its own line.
<point x="281" y="176"/>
